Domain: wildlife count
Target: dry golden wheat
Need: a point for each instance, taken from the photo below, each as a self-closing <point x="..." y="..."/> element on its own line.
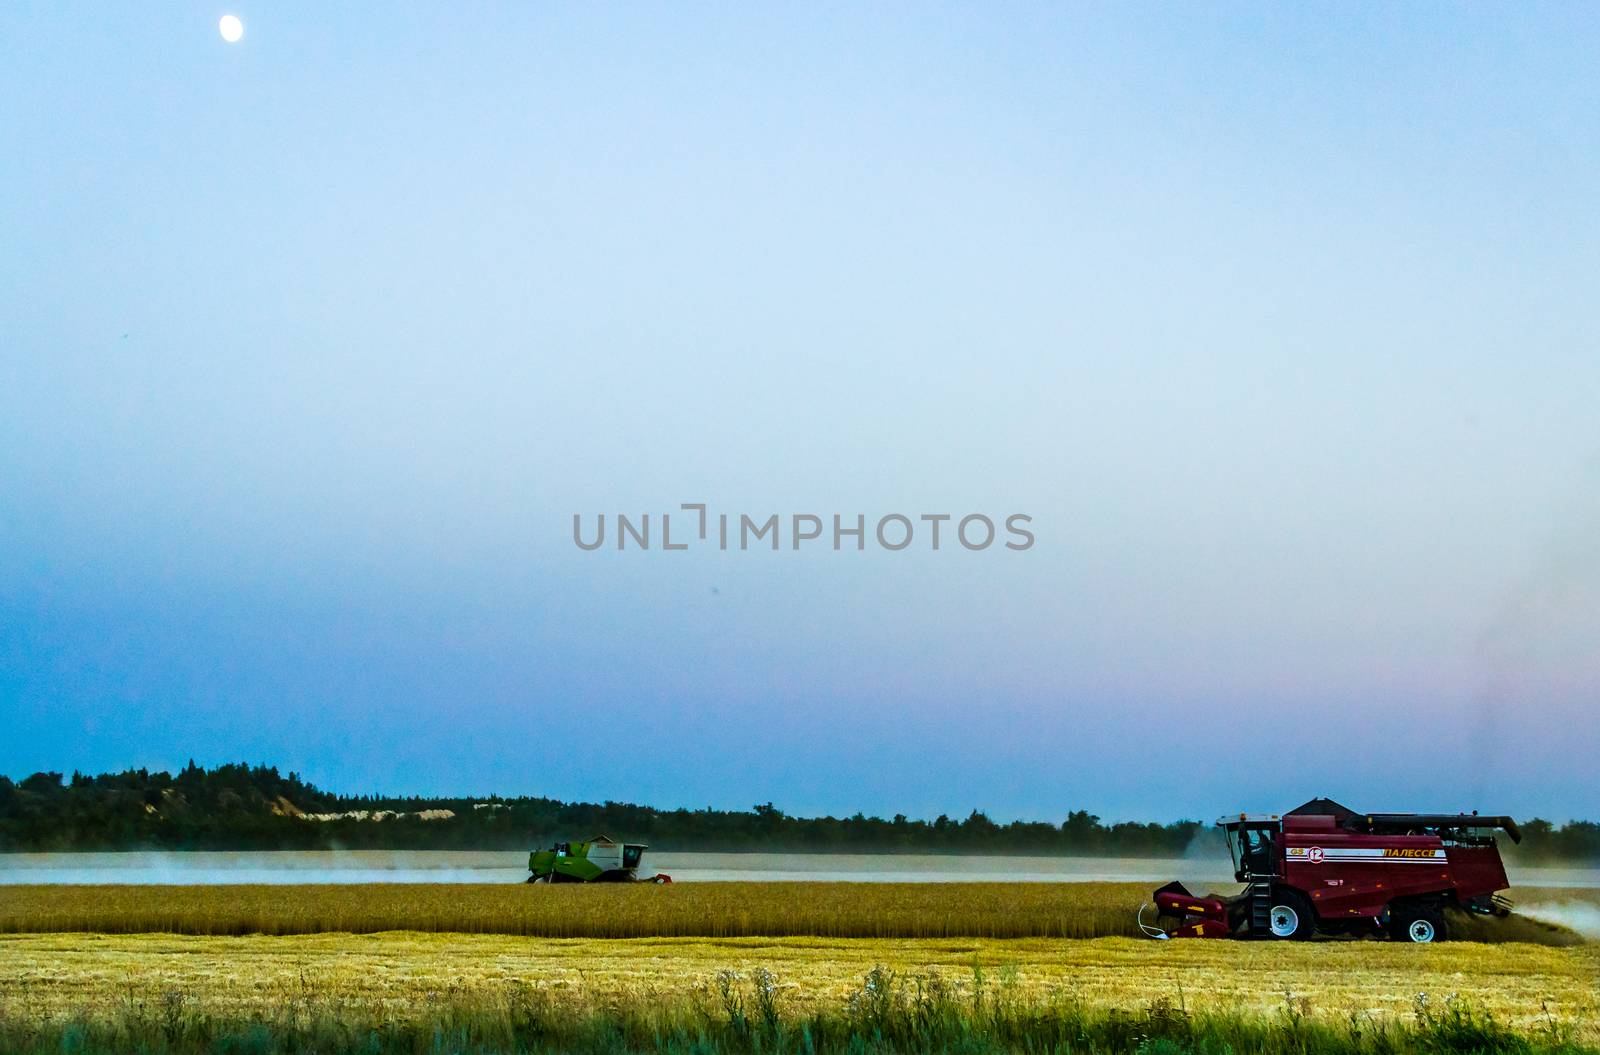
<point x="833" y="910"/>
<point x="863" y="910"/>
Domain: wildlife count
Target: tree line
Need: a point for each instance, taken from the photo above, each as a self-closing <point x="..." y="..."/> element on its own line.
<point x="244" y="807"/>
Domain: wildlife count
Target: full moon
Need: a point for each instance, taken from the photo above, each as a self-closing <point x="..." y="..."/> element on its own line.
<point x="231" y="28"/>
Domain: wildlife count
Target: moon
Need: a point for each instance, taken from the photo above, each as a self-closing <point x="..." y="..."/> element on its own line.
<point x="231" y="28"/>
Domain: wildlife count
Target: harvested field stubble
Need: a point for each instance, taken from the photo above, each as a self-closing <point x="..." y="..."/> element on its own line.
<point x="411" y="979"/>
<point x="712" y="910"/>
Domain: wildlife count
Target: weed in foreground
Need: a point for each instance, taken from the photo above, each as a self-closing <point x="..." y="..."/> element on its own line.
<point x="742" y="1014"/>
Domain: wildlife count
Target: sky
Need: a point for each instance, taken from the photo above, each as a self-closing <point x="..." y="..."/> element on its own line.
<point x="1278" y="321"/>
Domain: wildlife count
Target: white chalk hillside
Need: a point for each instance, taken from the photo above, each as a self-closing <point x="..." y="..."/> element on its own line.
<point x="380" y="815"/>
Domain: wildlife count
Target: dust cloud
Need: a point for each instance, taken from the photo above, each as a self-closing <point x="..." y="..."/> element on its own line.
<point x="1576" y="916"/>
<point x="148" y="867"/>
<point x="445" y="866"/>
<point x="1537" y="648"/>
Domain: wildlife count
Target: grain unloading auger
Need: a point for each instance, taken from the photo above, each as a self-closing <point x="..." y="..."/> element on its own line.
<point x="1326" y="869"/>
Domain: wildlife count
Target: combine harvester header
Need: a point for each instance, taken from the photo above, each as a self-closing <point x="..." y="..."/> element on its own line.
<point x="1324" y="868"/>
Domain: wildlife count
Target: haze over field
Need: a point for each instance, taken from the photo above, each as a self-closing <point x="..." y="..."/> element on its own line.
<point x="424" y="866"/>
<point x="1279" y="323"/>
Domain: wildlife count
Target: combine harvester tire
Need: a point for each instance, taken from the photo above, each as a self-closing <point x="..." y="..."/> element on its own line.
<point x="1419" y="924"/>
<point x="1290" y="916"/>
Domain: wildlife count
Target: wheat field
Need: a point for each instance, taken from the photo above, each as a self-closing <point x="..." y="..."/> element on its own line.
<point x="605" y="969"/>
<point x="709" y="910"/>
<point x="858" y="910"/>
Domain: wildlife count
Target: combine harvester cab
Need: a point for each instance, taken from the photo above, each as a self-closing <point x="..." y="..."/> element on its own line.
<point x="1325" y="869"/>
<point x="599" y="860"/>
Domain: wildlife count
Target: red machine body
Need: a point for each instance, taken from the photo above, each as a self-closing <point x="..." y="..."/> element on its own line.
<point x="1326" y="869"/>
<point x="1349" y="873"/>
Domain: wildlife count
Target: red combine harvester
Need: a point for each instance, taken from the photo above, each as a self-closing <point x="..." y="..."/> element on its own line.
<point x="1326" y="869"/>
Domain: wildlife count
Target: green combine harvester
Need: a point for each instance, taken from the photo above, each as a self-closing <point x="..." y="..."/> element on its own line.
<point x="600" y="860"/>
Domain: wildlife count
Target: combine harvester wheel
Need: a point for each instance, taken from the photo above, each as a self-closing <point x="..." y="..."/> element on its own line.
<point x="1290" y="916"/>
<point x="1418" y="924"/>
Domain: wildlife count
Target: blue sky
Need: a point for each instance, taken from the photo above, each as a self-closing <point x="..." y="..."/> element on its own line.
<point x="1278" y="320"/>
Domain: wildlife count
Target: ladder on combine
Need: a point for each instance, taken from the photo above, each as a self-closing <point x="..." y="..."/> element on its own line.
<point x="1260" y="906"/>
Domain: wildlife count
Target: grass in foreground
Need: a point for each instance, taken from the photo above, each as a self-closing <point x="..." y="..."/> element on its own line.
<point x="739" y="1013"/>
<point x="832" y="910"/>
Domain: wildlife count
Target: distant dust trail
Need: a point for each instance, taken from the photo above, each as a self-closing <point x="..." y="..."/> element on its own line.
<point x="1537" y="649"/>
